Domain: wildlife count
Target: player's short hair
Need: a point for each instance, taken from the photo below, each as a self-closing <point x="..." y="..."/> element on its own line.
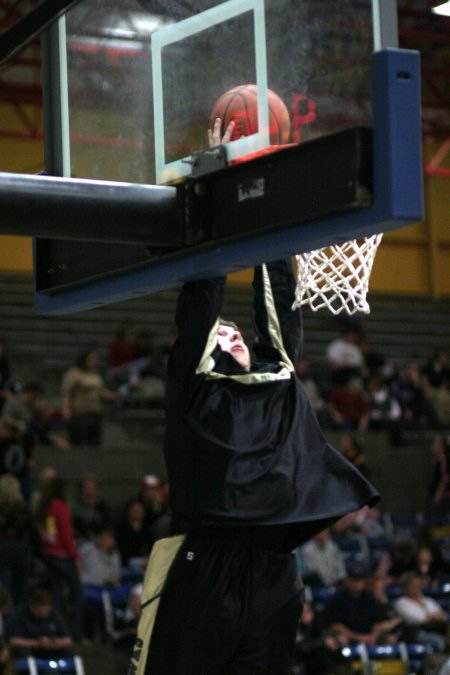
<point x="231" y="324"/>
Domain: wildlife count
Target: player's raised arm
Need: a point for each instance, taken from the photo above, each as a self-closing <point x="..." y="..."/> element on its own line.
<point x="279" y="332"/>
<point x="196" y="318"/>
<point x="199" y="303"/>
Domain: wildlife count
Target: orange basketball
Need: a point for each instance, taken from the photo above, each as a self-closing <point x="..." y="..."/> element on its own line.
<point x="240" y="105"/>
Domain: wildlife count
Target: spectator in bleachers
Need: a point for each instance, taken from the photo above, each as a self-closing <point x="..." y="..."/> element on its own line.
<point x="390" y="622"/>
<point x="352" y="613"/>
<point x="445" y="668"/>
<point x="317" y="652"/>
<point x="5" y="374"/>
<point x="25" y="404"/>
<point x="123" y="612"/>
<point x="133" y="537"/>
<point x="37" y="628"/>
<point x="45" y="476"/>
<point x="5" y="369"/>
<point x="134" y="605"/>
<point x="101" y="572"/>
<point x="348" y="406"/>
<point x="345" y="357"/>
<point x="29" y="406"/>
<point x="425" y="567"/>
<point x="364" y="526"/>
<point x="403" y="557"/>
<point x="90" y="510"/>
<point x="368" y="522"/>
<point x="83" y="394"/>
<point x="152" y="497"/>
<point x="100" y="563"/>
<point x="374" y="361"/>
<point x="312" y="389"/>
<point x="16" y="452"/>
<point x="133" y="366"/>
<point x="425" y="618"/>
<point x="146" y="353"/>
<point x="7" y="665"/>
<point x="121" y="349"/>
<point x="16" y="538"/>
<point x="432" y="569"/>
<point x="408" y="390"/>
<point x="436" y="373"/>
<point x="363" y="532"/>
<point x="440" y="565"/>
<point x="352" y="449"/>
<point x="6" y="606"/>
<point x="323" y="562"/>
<point x="384" y="410"/>
<point x="121" y="353"/>
<point x="439" y="487"/>
<point x="59" y="551"/>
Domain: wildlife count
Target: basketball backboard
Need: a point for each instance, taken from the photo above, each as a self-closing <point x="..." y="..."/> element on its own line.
<point x="138" y="80"/>
<point x="143" y="77"/>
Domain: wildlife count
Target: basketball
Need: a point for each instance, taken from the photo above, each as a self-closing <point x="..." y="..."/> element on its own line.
<point x="240" y="105"/>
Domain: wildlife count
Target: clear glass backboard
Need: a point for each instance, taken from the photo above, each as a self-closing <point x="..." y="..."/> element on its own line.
<point x="320" y="94"/>
<point x="143" y="76"/>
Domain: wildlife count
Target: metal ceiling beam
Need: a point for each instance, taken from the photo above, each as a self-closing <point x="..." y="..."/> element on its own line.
<point x="14" y="38"/>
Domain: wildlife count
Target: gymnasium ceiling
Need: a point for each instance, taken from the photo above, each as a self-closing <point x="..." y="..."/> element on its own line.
<point x="419" y="28"/>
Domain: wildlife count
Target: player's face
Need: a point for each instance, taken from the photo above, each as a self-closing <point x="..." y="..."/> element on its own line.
<point x="231" y="341"/>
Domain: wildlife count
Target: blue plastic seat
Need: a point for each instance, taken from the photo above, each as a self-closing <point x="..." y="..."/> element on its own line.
<point x="411" y="655"/>
<point x="72" y="665"/>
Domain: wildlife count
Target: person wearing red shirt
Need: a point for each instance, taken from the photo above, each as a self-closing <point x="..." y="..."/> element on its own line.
<point x="121" y="349"/>
<point x="60" y="553"/>
<point x="348" y="406"/>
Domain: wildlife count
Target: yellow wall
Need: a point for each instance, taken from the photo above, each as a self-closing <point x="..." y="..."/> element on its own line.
<point x="416" y="259"/>
<point x="19" y="155"/>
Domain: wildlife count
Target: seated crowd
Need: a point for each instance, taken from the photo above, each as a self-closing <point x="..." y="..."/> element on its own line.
<point x="58" y="556"/>
<point x="364" y="390"/>
<point x="384" y="590"/>
<point x="361" y="390"/>
<point x="369" y="580"/>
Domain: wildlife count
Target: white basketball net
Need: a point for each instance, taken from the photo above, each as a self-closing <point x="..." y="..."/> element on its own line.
<point x="337" y="277"/>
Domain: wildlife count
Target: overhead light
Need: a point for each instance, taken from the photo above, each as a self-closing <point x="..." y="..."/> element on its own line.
<point x="443" y="10"/>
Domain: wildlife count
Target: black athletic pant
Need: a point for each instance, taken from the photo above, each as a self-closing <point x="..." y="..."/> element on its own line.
<point x="229" y="607"/>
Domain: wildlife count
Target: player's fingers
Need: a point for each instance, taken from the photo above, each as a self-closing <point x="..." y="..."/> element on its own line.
<point x="217" y="127"/>
<point x="228" y="132"/>
<point x="214" y="135"/>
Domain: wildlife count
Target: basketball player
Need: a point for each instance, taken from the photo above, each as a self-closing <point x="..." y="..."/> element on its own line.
<point x="251" y="477"/>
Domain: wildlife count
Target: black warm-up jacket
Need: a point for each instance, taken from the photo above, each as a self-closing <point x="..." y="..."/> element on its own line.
<point x="245" y="448"/>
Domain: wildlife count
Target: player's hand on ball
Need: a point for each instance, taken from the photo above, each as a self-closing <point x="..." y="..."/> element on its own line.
<point x="214" y="134"/>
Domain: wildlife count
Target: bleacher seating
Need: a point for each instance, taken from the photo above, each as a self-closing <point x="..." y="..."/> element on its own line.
<point x="53" y="342"/>
<point x="117" y="624"/>
<point x="38" y="666"/>
<point x="399" y="659"/>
